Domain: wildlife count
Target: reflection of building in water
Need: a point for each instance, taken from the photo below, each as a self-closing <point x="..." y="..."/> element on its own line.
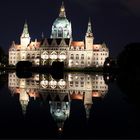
<point x="60" y="108"/>
<point x="85" y="86"/>
<point x="60" y="92"/>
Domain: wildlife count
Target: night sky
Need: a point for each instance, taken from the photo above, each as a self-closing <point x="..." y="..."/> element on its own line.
<point x="115" y="22"/>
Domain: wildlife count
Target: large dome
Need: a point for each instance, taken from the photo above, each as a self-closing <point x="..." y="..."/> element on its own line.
<point x="61" y="22"/>
<point x="61" y="27"/>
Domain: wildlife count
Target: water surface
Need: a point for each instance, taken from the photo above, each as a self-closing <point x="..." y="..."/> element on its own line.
<point x="79" y="105"/>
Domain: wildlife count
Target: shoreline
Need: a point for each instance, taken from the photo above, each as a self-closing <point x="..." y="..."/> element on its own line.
<point x="88" y="69"/>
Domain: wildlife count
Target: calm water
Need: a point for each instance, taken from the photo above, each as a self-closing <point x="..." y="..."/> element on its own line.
<point x="76" y="106"/>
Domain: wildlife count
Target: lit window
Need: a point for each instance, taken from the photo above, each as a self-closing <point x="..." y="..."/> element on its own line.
<point x="77" y="56"/>
<point x="72" y="56"/>
<point x="82" y="56"/>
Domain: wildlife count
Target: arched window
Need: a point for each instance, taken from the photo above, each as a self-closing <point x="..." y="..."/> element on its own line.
<point x="60" y="32"/>
<point x="53" y="84"/>
<point x="28" y="56"/>
<point x="72" y="56"/>
<point x="62" y="84"/>
<point x="44" y="55"/>
<point x="33" y="55"/>
<point x="44" y="83"/>
<point x="53" y="55"/>
<point x="62" y="56"/>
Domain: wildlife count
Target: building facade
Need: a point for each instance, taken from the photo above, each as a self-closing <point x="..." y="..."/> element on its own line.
<point x="59" y="47"/>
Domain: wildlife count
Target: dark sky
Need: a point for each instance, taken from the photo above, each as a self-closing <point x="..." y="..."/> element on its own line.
<point x="115" y="22"/>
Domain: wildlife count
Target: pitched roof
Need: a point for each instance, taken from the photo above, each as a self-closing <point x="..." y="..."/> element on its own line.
<point x="34" y="44"/>
<point x="77" y="44"/>
<point x="49" y="41"/>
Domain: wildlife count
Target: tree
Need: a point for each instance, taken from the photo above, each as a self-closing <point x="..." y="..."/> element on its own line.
<point x="3" y="56"/>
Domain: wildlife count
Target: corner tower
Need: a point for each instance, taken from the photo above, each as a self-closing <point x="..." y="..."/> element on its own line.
<point x="61" y="27"/>
<point x="25" y="37"/>
<point x="89" y="37"/>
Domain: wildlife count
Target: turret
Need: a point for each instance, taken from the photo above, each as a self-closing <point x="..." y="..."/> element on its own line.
<point x="25" y="37"/>
<point x="89" y="37"/>
<point x="24" y="99"/>
<point x="88" y="103"/>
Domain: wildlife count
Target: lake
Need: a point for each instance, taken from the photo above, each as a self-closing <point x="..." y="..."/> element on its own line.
<point x="78" y="105"/>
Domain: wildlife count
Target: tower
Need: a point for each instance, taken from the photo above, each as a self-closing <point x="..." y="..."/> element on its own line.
<point x="89" y="37"/>
<point x="24" y="100"/>
<point x="25" y="37"/>
<point x="61" y="27"/>
<point x="88" y="103"/>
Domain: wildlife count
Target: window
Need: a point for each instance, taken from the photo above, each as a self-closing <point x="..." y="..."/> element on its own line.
<point x="82" y="56"/>
<point x="77" y="63"/>
<point x="37" y="56"/>
<point x="71" y="83"/>
<point x="33" y="56"/>
<point x="72" y="56"/>
<point x="82" y="78"/>
<point x="76" y="83"/>
<point x="28" y="56"/>
<point x="77" y="56"/>
<point x="82" y="82"/>
<point x="60" y="32"/>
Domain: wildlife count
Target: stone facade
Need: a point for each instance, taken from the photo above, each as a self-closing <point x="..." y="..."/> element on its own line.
<point x="59" y="47"/>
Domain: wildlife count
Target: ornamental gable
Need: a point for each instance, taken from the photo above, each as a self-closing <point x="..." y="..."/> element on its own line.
<point x="53" y="43"/>
<point x="63" y="43"/>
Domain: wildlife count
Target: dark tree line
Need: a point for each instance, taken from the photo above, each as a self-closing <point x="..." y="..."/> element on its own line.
<point x="3" y="57"/>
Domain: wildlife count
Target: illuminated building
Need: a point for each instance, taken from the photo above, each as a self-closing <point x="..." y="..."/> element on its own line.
<point x="60" y="92"/>
<point x="59" y="47"/>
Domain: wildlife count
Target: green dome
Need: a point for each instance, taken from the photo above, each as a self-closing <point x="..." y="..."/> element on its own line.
<point x="61" y="22"/>
<point x="61" y="27"/>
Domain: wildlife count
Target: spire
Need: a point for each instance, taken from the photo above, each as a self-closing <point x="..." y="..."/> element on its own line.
<point x="89" y="29"/>
<point x="25" y="32"/>
<point x="42" y="35"/>
<point x="25" y="37"/>
<point x="62" y="11"/>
